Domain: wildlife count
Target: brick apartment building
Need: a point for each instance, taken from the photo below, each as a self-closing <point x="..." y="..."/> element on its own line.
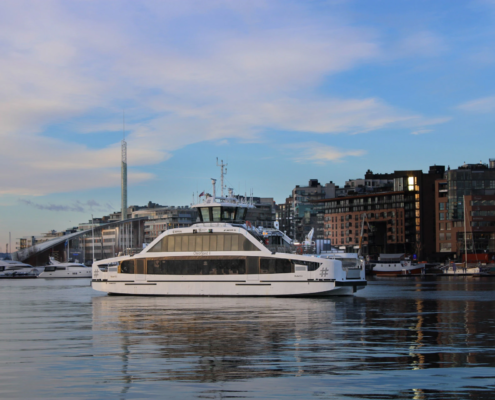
<point x="471" y="187"/>
<point x="400" y="221"/>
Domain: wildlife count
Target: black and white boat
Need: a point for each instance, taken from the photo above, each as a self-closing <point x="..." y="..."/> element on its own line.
<point x="223" y="255"/>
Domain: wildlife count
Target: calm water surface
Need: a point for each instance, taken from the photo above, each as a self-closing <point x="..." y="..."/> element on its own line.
<point x="400" y="338"/>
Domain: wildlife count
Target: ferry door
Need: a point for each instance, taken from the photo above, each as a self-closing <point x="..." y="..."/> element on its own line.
<point x="140" y="273"/>
<point x="253" y="268"/>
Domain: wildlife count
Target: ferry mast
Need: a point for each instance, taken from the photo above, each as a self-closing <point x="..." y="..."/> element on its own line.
<point x="222" y="166"/>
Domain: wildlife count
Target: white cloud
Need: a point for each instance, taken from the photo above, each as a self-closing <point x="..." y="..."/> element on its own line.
<point x="321" y="154"/>
<point x="421" y="131"/>
<point x="481" y="106"/>
<point x="226" y="78"/>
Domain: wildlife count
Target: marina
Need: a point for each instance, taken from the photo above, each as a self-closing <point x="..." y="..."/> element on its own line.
<point x="408" y="338"/>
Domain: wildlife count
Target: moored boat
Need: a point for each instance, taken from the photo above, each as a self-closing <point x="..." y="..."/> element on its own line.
<point x="65" y="270"/>
<point x="395" y="265"/>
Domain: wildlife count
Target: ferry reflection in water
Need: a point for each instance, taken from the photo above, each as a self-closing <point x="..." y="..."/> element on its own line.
<point x="405" y="339"/>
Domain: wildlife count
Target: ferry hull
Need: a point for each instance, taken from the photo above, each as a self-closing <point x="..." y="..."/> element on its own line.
<point x="231" y="288"/>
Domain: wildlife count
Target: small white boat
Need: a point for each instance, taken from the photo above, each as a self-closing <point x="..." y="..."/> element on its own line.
<point x="396" y="264"/>
<point x="65" y="270"/>
<point x="9" y="268"/>
<point x="461" y="269"/>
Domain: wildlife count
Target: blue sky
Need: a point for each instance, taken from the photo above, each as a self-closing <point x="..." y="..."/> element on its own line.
<point x="284" y="91"/>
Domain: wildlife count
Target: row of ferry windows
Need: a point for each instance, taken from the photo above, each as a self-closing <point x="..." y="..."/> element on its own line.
<point x="213" y="266"/>
<point x="204" y="242"/>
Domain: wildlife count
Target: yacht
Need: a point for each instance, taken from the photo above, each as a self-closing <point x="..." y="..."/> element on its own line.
<point x="224" y="255"/>
<point x="10" y="268"/>
<point x="396" y="264"/>
<point x="65" y="270"/>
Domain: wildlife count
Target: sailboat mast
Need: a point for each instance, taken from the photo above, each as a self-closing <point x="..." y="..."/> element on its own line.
<point x="465" y="234"/>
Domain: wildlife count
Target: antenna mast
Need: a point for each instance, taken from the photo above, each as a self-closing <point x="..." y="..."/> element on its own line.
<point x="222" y="166"/>
<point x="124" y="172"/>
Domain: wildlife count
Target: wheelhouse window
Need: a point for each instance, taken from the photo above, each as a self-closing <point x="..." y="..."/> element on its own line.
<point x="205" y="214"/>
<point x="204" y="242"/>
<point x="222" y="214"/>
<point x="228" y="213"/>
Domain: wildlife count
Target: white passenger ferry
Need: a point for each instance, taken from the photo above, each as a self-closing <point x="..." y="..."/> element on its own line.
<point x="223" y="255"/>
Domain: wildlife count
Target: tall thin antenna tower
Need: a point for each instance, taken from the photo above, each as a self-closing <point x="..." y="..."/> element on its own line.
<point x="222" y="166"/>
<point x="123" y="174"/>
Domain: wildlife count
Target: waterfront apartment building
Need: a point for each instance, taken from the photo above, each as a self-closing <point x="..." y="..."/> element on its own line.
<point x="466" y="194"/>
<point x="401" y="220"/>
<point x="301" y="212"/>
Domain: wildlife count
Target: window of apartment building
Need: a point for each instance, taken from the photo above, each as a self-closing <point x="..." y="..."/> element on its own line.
<point x="342" y="241"/>
<point x="448" y="226"/>
<point x="341" y="218"/>
<point x="441" y="226"/>
<point x="442" y="206"/>
<point x="446" y="246"/>
<point x="442" y="216"/>
<point x="448" y="236"/>
<point x="441" y="236"/>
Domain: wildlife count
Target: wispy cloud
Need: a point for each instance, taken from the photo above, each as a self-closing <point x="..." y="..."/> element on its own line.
<point x="483" y="105"/>
<point x="312" y="152"/>
<point x="77" y="206"/>
<point x="421" y="131"/>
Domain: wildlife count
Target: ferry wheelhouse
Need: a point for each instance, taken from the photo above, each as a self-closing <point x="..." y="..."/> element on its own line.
<point x="223" y="255"/>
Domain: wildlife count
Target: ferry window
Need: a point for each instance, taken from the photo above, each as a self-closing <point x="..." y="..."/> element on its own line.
<point x="192" y="243"/>
<point x="153" y="267"/>
<point x="185" y="243"/>
<point x="196" y="266"/>
<point x="171" y="243"/>
<point x="228" y="213"/>
<point x="252" y="265"/>
<point x="213" y="242"/>
<point x="235" y="242"/>
<point x="220" y="242"/>
<point x="206" y="244"/>
<point x="276" y="266"/>
<point x="127" y="267"/>
<point x="241" y="214"/>
<point x="227" y="244"/>
<point x="158" y="247"/>
<point x="178" y="243"/>
<point x="140" y="266"/>
<point x="205" y="214"/>
<point x="216" y="214"/>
